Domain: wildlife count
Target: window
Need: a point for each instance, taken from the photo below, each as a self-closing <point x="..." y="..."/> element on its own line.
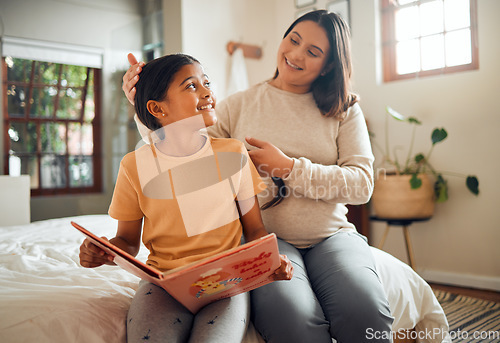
<point x="428" y="37"/>
<point x="51" y="125"/>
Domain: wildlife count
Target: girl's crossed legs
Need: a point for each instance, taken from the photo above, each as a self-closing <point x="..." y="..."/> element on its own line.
<point x="155" y="316"/>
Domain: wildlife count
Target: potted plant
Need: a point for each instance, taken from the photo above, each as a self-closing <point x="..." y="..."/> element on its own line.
<point x="406" y="191"/>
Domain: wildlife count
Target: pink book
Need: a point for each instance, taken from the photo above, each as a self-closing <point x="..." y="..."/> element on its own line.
<point x="231" y="272"/>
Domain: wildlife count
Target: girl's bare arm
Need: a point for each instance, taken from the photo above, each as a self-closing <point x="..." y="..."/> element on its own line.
<point x="253" y="228"/>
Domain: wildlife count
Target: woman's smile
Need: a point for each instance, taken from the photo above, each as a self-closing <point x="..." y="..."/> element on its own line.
<point x="292" y="65"/>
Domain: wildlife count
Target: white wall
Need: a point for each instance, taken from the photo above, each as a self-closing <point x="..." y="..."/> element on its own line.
<point x="112" y="25"/>
<point x="460" y="243"/>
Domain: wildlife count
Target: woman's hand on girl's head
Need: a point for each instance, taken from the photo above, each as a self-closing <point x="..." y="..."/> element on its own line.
<point x="285" y="271"/>
<point x="268" y="159"/>
<point x="131" y="77"/>
<point x="92" y="256"/>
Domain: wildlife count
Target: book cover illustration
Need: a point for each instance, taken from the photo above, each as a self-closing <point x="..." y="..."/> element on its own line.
<point x="212" y="283"/>
<point x="229" y="273"/>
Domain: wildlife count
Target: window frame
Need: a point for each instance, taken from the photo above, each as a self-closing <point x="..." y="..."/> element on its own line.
<point x="96" y="132"/>
<point x="389" y="61"/>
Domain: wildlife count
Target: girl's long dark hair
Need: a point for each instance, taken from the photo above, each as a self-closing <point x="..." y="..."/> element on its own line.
<point x="332" y="91"/>
<point x="154" y="80"/>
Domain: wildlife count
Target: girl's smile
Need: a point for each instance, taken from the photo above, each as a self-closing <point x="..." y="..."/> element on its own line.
<point x="205" y="107"/>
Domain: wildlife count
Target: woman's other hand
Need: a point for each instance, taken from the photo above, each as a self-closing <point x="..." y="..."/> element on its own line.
<point x="92" y="256"/>
<point x="285" y="271"/>
<point x="131" y="77"/>
<point x="268" y="159"/>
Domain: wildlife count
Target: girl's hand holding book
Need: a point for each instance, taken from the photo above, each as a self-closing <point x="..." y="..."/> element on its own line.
<point x="92" y="256"/>
<point x="285" y="271"/>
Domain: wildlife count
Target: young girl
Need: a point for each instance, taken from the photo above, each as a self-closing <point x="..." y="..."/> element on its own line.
<point x="309" y="133"/>
<point x="174" y="185"/>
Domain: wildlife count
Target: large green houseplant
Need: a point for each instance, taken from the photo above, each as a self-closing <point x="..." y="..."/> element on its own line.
<point x="417" y="166"/>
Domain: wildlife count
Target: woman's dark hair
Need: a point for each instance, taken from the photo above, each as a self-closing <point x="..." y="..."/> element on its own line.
<point x="331" y="91"/>
<point x="154" y="80"/>
<point x="280" y="195"/>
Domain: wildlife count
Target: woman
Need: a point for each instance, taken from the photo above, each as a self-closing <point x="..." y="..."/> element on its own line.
<point x="310" y="137"/>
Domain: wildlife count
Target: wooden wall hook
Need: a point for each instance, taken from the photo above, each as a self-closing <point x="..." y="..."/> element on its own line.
<point x="249" y="51"/>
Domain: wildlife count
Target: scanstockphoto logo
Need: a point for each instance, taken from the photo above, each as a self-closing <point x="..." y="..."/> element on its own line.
<point x="435" y="334"/>
<point x="322" y="186"/>
<point x="205" y="185"/>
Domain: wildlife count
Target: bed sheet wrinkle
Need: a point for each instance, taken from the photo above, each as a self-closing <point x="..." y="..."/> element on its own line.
<point x="46" y="296"/>
<point x="65" y="313"/>
<point x="412" y="301"/>
<point x="68" y="326"/>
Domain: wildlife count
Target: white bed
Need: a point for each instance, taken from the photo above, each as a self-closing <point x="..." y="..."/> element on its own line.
<point x="45" y="296"/>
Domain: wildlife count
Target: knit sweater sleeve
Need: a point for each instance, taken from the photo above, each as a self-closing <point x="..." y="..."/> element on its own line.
<point x="350" y="181"/>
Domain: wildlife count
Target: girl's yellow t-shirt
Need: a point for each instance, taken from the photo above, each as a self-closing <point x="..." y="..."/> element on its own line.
<point x="187" y="203"/>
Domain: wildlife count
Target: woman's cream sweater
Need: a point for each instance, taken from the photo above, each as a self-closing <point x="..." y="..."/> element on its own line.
<point x="333" y="160"/>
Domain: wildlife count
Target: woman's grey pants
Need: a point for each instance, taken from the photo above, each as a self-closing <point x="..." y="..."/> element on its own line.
<point x="155" y="316"/>
<point x="335" y="292"/>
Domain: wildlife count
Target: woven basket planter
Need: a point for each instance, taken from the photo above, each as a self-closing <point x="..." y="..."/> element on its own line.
<point x="393" y="197"/>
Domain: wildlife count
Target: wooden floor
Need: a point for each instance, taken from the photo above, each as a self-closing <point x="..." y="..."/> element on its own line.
<point x="470" y="292"/>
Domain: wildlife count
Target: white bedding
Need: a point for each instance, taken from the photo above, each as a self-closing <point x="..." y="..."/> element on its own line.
<point x="45" y="296"/>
